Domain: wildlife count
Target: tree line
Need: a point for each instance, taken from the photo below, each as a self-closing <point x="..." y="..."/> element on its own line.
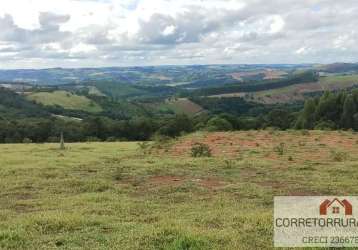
<point x="329" y="111"/>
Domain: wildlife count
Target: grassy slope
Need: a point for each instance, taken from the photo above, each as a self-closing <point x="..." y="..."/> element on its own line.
<point x="295" y="92"/>
<point x="118" y="90"/>
<point x="184" y="106"/>
<point x="66" y="100"/>
<point x="111" y="196"/>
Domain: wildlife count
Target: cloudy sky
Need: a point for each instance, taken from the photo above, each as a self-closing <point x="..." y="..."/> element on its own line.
<point x="95" y="33"/>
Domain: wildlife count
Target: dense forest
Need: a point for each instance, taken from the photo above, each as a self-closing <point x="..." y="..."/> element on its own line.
<point x="253" y="86"/>
<point x="22" y="120"/>
<point x="330" y="111"/>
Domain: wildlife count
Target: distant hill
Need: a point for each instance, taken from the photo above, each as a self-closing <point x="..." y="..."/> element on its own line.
<point x="184" y="106"/>
<point x="339" y="67"/>
<point x="13" y="105"/>
<point x="65" y="99"/>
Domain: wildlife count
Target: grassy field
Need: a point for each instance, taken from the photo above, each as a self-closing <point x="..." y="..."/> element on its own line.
<point x="66" y="100"/>
<point x="296" y="92"/>
<point x="156" y="196"/>
<point x="183" y="106"/>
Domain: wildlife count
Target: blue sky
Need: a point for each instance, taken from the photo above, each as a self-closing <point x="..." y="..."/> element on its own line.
<point x="95" y="33"/>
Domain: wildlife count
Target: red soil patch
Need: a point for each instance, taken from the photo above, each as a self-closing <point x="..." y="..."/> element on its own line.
<point x="272" y="184"/>
<point x="166" y="180"/>
<point x="175" y="181"/>
<point x="211" y="183"/>
<point x="314" y="146"/>
<point x="303" y="193"/>
<point x="223" y="143"/>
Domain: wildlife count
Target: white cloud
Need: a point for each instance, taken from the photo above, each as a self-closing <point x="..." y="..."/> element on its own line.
<point x="169" y="30"/>
<point x="121" y="32"/>
<point x="301" y="51"/>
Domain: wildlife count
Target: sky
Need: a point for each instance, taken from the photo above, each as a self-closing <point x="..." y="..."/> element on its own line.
<point x="100" y="33"/>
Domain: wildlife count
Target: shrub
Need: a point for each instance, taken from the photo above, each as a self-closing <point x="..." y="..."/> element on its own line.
<point x="325" y="125"/>
<point x="200" y="150"/>
<point x="119" y="173"/>
<point x="280" y="149"/>
<point x="339" y="156"/>
<point x="229" y="164"/>
<point x="305" y="132"/>
<point x="219" y="124"/>
<point x="111" y="139"/>
<point x="144" y="147"/>
<point x="26" y="141"/>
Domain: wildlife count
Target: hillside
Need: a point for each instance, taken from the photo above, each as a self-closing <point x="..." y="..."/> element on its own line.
<point x="184" y="106"/>
<point x="65" y="99"/>
<point x="13" y="106"/>
<point x="298" y="92"/>
<point x="117" y="195"/>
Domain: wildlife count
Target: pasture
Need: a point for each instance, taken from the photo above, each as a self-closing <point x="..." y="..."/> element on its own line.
<point x="128" y="195"/>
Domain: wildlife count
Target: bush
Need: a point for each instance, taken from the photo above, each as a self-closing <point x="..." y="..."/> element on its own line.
<point x="325" y="125"/>
<point x="305" y="132"/>
<point x="26" y="141"/>
<point x="219" y="124"/>
<point x="200" y="150"/>
<point x="145" y="147"/>
<point x="339" y="156"/>
<point x="111" y="139"/>
<point x="280" y="149"/>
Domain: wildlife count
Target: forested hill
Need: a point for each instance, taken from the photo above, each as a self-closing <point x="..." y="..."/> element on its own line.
<point x="13" y="105"/>
<point x="254" y="86"/>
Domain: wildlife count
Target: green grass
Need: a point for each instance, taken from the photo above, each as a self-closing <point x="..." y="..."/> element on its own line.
<point x="112" y="196"/>
<point x="183" y="106"/>
<point x="294" y="92"/>
<point x="119" y="90"/>
<point x="66" y="100"/>
<point x="339" y="82"/>
<point x="92" y="90"/>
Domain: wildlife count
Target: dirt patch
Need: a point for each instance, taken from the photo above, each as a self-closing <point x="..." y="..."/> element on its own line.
<point x="174" y="181"/>
<point x="24" y="208"/>
<point x="167" y="180"/>
<point x="220" y="143"/>
<point x="210" y="183"/>
<point x="224" y="144"/>
<point x="303" y="193"/>
<point x="315" y="146"/>
<point x="17" y="196"/>
<point x="272" y="184"/>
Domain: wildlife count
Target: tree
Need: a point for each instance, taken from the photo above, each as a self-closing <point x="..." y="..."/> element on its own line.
<point x="175" y="126"/>
<point x="329" y="107"/>
<point x="355" y="121"/>
<point x="218" y="124"/>
<point x="307" y="118"/>
<point x="279" y="118"/>
<point x="349" y="109"/>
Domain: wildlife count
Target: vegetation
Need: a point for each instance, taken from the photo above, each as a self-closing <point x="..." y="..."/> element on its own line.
<point x="66" y="100"/>
<point x="200" y="150"/>
<point x="111" y="196"/>
<point x="304" y="77"/>
<point x="188" y="179"/>
<point x="330" y="111"/>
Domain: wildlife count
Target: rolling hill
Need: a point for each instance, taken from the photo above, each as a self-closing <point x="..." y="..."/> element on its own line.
<point x="65" y="99"/>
